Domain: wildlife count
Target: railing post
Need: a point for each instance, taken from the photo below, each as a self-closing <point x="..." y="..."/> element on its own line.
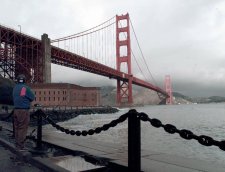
<point x="13" y="135"/>
<point x="134" y="142"/>
<point x="39" y="131"/>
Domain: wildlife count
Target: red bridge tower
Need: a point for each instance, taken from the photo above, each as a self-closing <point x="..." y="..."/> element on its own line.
<point x="124" y="88"/>
<point x="168" y="89"/>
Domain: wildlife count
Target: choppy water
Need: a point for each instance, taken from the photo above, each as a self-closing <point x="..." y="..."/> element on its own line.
<point x="204" y="119"/>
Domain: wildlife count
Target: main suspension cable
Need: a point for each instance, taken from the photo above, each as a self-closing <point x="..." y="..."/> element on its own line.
<point x="74" y="35"/>
<point x="78" y="35"/>
<point x="142" y="53"/>
<point x="134" y="56"/>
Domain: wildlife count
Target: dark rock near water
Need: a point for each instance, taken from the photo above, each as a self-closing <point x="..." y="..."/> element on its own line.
<point x="60" y="115"/>
<point x="6" y="89"/>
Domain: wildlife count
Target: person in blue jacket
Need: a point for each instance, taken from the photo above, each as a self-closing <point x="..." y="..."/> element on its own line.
<point x="22" y="98"/>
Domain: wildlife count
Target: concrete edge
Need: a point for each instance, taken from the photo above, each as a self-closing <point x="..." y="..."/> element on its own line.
<point x="43" y="164"/>
<point x="47" y="164"/>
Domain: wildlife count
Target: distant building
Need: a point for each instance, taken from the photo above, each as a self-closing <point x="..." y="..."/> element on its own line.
<point x="64" y="94"/>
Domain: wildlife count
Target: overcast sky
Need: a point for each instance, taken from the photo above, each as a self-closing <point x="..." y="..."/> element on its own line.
<point x="181" y="38"/>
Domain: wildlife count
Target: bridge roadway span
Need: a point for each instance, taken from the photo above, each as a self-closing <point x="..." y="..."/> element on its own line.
<point x="117" y="154"/>
<point x="64" y="58"/>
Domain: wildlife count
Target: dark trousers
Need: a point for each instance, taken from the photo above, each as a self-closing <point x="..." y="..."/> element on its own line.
<point x="21" y="122"/>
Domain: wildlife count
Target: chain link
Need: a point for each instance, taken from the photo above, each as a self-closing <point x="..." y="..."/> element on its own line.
<point x="97" y="130"/>
<point x="169" y="128"/>
<point x="185" y="134"/>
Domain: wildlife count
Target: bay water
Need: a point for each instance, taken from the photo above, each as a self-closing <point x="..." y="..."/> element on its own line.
<point x="201" y="119"/>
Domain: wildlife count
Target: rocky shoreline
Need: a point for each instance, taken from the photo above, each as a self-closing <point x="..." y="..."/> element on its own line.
<point x="60" y="115"/>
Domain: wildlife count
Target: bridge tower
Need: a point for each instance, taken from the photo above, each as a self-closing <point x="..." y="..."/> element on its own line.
<point x="124" y="88"/>
<point x="168" y="89"/>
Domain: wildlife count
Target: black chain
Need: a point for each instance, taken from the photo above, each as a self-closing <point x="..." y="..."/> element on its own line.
<point x="169" y="128"/>
<point x="97" y="130"/>
<point x="185" y="134"/>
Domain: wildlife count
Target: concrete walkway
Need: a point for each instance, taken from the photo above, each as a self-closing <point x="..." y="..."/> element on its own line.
<point x="112" y="153"/>
<point x="13" y="161"/>
<point x="150" y="161"/>
<point x="9" y="162"/>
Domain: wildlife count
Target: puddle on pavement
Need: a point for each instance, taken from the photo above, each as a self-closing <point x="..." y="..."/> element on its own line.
<point x="74" y="163"/>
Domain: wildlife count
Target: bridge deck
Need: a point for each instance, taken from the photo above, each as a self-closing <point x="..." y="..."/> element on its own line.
<point x="151" y="161"/>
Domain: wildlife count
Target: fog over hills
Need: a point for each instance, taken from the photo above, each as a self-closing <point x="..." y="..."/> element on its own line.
<point x="141" y="96"/>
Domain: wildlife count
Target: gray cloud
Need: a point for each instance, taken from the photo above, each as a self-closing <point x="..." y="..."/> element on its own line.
<point x="184" y="39"/>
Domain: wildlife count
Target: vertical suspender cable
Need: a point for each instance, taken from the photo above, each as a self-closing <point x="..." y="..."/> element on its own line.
<point x="105" y="45"/>
<point x="77" y="45"/>
<point x="82" y="51"/>
<point x="102" y="47"/>
<point x="91" y="46"/>
<point x="114" y="44"/>
<point x="142" y="53"/>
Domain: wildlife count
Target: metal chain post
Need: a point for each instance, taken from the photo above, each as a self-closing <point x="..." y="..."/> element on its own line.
<point x="134" y="134"/>
<point x="134" y="142"/>
<point x="39" y="129"/>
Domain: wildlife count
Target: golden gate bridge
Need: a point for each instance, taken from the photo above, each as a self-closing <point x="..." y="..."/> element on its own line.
<point x="103" y="50"/>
